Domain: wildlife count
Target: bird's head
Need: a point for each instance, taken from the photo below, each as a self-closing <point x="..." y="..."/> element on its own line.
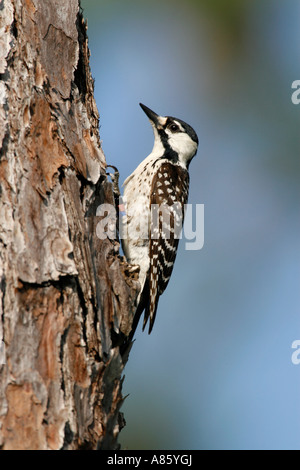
<point x="174" y="138"/>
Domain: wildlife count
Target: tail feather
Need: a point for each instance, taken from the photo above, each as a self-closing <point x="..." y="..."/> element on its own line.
<point x="150" y="313"/>
<point x="141" y="307"/>
<point x="149" y="308"/>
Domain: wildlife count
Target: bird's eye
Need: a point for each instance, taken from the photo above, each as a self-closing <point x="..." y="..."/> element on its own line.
<point x="174" y="127"/>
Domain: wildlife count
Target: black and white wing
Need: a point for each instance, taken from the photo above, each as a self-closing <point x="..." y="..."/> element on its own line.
<point x="169" y="194"/>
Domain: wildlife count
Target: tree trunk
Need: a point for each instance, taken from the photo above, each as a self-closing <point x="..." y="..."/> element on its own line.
<point x="67" y="299"/>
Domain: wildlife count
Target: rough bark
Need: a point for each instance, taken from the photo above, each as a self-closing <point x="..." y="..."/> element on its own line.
<point x="67" y="298"/>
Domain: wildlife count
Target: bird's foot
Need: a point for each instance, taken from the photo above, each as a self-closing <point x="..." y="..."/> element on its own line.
<point x="115" y="180"/>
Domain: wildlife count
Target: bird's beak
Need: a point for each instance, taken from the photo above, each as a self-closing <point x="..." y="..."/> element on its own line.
<point x="154" y="118"/>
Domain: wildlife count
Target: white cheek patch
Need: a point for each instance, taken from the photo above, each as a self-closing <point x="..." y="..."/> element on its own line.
<point x="183" y="145"/>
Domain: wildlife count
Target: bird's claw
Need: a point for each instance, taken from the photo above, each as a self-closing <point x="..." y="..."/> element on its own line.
<point x="115" y="179"/>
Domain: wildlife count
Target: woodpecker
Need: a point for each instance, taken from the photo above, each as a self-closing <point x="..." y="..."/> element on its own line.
<point x="150" y="239"/>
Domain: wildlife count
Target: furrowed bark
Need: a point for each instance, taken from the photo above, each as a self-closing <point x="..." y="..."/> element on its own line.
<point x="67" y="298"/>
